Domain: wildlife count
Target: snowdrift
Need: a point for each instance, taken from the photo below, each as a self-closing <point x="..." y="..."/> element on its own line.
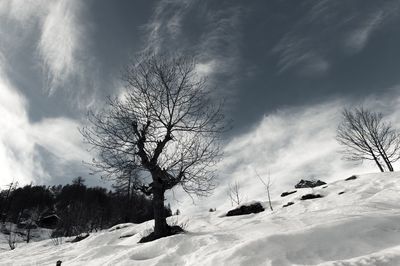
<point x="356" y="222"/>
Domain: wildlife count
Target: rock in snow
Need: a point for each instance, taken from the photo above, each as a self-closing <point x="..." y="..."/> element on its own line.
<point x="288" y="204"/>
<point x="246" y="209"/>
<point x="284" y="194"/>
<point x="309" y="183"/>
<point x="310" y="196"/>
<point x="353" y="177"/>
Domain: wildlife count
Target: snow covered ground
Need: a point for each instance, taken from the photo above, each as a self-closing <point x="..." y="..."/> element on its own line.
<point x="358" y="227"/>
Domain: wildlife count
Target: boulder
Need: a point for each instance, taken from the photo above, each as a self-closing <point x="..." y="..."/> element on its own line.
<point x="309" y="183"/>
<point x="311" y="196"/>
<point x="246" y="209"/>
<point x="49" y="221"/>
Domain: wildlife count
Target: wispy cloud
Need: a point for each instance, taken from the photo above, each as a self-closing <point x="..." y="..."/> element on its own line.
<point x="297" y="52"/>
<point x="358" y="37"/>
<point x="217" y="44"/>
<point x="61" y="42"/>
<point x="57" y="31"/>
<point x="165" y="24"/>
<point x="328" y="28"/>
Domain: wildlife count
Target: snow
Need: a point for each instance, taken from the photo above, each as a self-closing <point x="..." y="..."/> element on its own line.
<point x="359" y="227"/>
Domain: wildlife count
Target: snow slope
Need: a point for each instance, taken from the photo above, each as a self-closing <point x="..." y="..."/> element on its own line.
<point x="359" y="227"/>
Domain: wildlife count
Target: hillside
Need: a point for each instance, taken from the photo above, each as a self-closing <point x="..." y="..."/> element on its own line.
<point x="358" y="227"/>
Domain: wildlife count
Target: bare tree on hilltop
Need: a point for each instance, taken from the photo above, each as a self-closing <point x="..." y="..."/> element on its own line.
<point x="164" y="124"/>
<point x="366" y="136"/>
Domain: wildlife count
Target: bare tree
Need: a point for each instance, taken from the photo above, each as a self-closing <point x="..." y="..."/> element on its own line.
<point x="234" y="193"/>
<point x="267" y="186"/>
<point x="366" y="136"/>
<point x="165" y="125"/>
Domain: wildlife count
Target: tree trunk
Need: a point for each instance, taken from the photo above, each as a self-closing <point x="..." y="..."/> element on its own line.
<point x="384" y="156"/>
<point x="160" y="222"/>
<point x="28" y="235"/>
<point x="378" y="164"/>
<point x="376" y="159"/>
<point x="128" y="202"/>
<point x="387" y="161"/>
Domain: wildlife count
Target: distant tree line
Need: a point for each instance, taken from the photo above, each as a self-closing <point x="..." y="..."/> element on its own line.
<point x="75" y="208"/>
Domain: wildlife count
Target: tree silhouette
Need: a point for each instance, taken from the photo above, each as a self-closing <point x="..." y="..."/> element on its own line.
<point x="164" y="125"/>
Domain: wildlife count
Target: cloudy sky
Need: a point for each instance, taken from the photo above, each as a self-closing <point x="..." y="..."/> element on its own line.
<point x="286" y="68"/>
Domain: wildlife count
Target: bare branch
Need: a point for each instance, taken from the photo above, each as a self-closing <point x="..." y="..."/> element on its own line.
<point x="165" y="125"/>
<point x="234" y="193"/>
<point x="365" y="136"/>
<point x="267" y="185"/>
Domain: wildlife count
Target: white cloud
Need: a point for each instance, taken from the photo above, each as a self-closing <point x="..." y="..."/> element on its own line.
<point x="291" y="144"/>
<point x="206" y="68"/>
<point x="25" y="11"/>
<point x="19" y="158"/>
<point x="55" y="30"/>
<point x="16" y="151"/>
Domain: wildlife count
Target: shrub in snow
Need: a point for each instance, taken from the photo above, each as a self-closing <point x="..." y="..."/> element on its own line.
<point x="288" y="204"/>
<point x="311" y="196"/>
<point x="56" y="240"/>
<point x="246" y="209"/>
<point x="79" y="238"/>
<point x="287" y="193"/>
<point x="309" y="183"/>
<point x="351" y="178"/>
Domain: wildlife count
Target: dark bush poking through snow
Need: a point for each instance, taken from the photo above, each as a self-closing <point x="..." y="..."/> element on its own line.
<point x="79" y="238"/>
<point x="246" y="209"/>
<point x="287" y="193"/>
<point x="288" y="204"/>
<point x="309" y="183"/>
<point x="311" y="196"/>
<point x="351" y="178"/>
